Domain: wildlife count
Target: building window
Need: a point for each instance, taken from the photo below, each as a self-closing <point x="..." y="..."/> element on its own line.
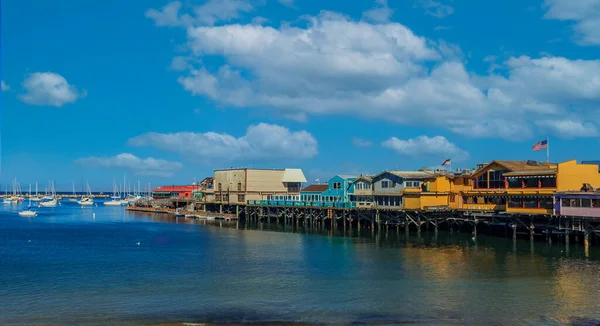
<point x="566" y="202"/>
<point x="546" y="202"/>
<point x="586" y="202"/>
<point x="548" y="182"/>
<point x="497" y="179"/>
<point x="531" y="182"/>
<point x="219" y="186"/>
<point x="385" y="184"/>
<point x="531" y="202"/>
<point x="239" y="186"/>
<point x="514" y="202"/>
<point x="241" y="198"/>
<point x="482" y="181"/>
<point x="409" y="184"/>
<point x="337" y="185"/>
<point x="596" y="203"/>
<point x="452" y="198"/>
<point x="217" y="197"/>
<point x="515" y="183"/>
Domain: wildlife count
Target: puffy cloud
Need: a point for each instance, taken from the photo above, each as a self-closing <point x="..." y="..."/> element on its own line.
<point x="423" y="146"/>
<point x="261" y="142"/>
<point x="569" y="128"/>
<point x="209" y="13"/>
<point x="47" y="88"/>
<point x="585" y="14"/>
<point x="380" y="13"/>
<point x="435" y="8"/>
<point x="148" y="166"/>
<point x="336" y="65"/>
<point x="359" y="142"/>
<point x="5" y="86"/>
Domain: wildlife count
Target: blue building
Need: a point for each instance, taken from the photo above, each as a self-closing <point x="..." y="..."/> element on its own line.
<point x="339" y="189"/>
<point x="312" y="194"/>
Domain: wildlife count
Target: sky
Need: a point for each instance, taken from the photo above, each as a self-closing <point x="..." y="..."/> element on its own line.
<point x="166" y="92"/>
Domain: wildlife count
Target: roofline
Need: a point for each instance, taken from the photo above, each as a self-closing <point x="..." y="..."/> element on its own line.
<point x="247" y="169"/>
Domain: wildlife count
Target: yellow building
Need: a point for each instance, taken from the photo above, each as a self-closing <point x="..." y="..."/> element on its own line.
<point x="240" y="185"/>
<point x="443" y="190"/>
<point x="525" y="186"/>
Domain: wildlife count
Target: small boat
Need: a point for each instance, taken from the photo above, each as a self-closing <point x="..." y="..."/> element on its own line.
<point x="28" y="212"/>
<point x="48" y="201"/>
<point x="113" y="202"/>
<point x="85" y="201"/>
<point x="179" y="215"/>
<point x="37" y="196"/>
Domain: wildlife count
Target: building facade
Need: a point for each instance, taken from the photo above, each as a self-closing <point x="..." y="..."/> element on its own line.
<point x="313" y="193"/>
<point x="578" y="203"/>
<point x="363" y="192"/>
<point x="526" y="186"/>
<point x="339" y="189"/>
<point x="389" y="187"/>
<point x="165" y="192"/>
<point x="237" y="186"/>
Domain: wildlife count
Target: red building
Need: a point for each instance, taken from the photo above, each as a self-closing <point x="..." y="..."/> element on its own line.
<point x="173" y="191"/>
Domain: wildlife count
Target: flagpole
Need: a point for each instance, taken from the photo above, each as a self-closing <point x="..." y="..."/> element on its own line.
<point x="548" y="149"/>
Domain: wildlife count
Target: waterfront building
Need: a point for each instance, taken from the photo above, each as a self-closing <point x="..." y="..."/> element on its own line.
<point x="363" y="192"/>
<point x="312" y="193"/>
<point x="165" y="192"/>
<point x="204" y="191"/>
<point x="389" y="186"/>
<point x="442" y="190"/>
<point x="237" y="186"/>
<point x="583" y="203"/>
<point x="525" y="186"/>
<point x="339" y="189"/>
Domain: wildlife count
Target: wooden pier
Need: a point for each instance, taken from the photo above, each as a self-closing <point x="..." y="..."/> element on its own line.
<point x="535" y="227"/>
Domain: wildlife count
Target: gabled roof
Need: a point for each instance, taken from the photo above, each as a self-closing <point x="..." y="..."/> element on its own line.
<point x="315" y="188"/>
<point x="346" y="176"/>
<point x="293" y="175"/>
<point x="409" y="174"/>
<point x="514" y="166"/>
<point x="363" y="178"/>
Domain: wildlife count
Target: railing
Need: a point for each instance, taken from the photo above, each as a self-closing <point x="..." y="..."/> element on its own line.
<point x="483" y="207"/>
<point x="301" y="203"/>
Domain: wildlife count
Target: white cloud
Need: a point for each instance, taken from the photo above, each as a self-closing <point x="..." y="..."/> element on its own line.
<point x="261" y="142"/>
<point x="381" y="13"/>
<point x="569" y="128"/>
<point x="5" y="86"/>
<point x="585" y="14"/>
<point x="209" y="13"/>
<point x="423" y="146"/>
<point x="258" y="20"/>
<point x="288" y="3"/>
<point x="47" y="88"/>
<point x="359" y="142"/>
<point x="435" y="8"/>
<point x="148" y="166"/>
<point x="335" y="65"/>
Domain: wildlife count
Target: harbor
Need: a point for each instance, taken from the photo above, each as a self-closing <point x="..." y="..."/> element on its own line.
<point x="525" y="199"/>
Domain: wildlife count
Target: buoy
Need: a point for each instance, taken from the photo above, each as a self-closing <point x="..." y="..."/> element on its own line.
<point x="138" y="243"/>
<point x="94" y="215"/>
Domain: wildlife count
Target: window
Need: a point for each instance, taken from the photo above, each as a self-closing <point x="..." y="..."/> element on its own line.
<point x="574" y="202"/>
<point x="452" y="198"/>
<point x="239" y="186"/>
<point x="586" y="202"/>
<point x="546" y="202"/>
<point x="226" y="197"/>
<point x="566" y="202"/>
<point x="515" y="183"/>
<point x="515" y="202"/>
<point x="217" y="197"/>
<point x="549" y="182"/>
<point x="241" y="198"/>
<point x="409" y="184"/>
<point x="482" y="181"/>
<point x="531" y="202"/>
<point x="497" y="179"/>
<point x="384" y="184"/>
<point x="531" y="182"/>
<point x="337" y="185"/>
<point x="219" y="186"/>
<point x="596" y="203"/>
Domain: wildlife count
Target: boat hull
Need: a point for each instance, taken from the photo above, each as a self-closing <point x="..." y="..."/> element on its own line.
<point x="28" y="214"/>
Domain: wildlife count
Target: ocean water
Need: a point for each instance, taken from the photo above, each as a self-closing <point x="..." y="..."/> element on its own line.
<point x="84" y="266"/>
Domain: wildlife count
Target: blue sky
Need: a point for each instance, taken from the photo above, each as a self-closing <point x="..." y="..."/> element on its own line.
<point x="165" y="92"/>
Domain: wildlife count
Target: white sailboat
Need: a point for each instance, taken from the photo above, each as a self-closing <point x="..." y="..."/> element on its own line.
<point x="50" y="200"/>
<point x="37" y="196"/>
<point x="86" y="200"/>
<point x="74" y="199"/>
<point x="28" y="212"/>
<point x="115" y="200"/>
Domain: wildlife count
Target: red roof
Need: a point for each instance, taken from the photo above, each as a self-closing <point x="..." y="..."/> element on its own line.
<point x="175" y="188"/>
<point x="315" y="188"/>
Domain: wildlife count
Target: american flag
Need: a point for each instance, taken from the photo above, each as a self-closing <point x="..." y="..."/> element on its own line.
<point x="447" y="162"/>
<point x="540" y="145"/>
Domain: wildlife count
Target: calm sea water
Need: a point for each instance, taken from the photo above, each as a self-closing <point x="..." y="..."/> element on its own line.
<point x="68" y="267"/>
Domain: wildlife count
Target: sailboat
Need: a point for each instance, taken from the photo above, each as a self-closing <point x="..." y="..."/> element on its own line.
<point x="87" y="199"/>
<point x="50" y="200"/>
<point x="115" y="200"/>
<point x="74" y="199"/>
<point x="37" y="196"/>
<point x="28" y="212"/>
